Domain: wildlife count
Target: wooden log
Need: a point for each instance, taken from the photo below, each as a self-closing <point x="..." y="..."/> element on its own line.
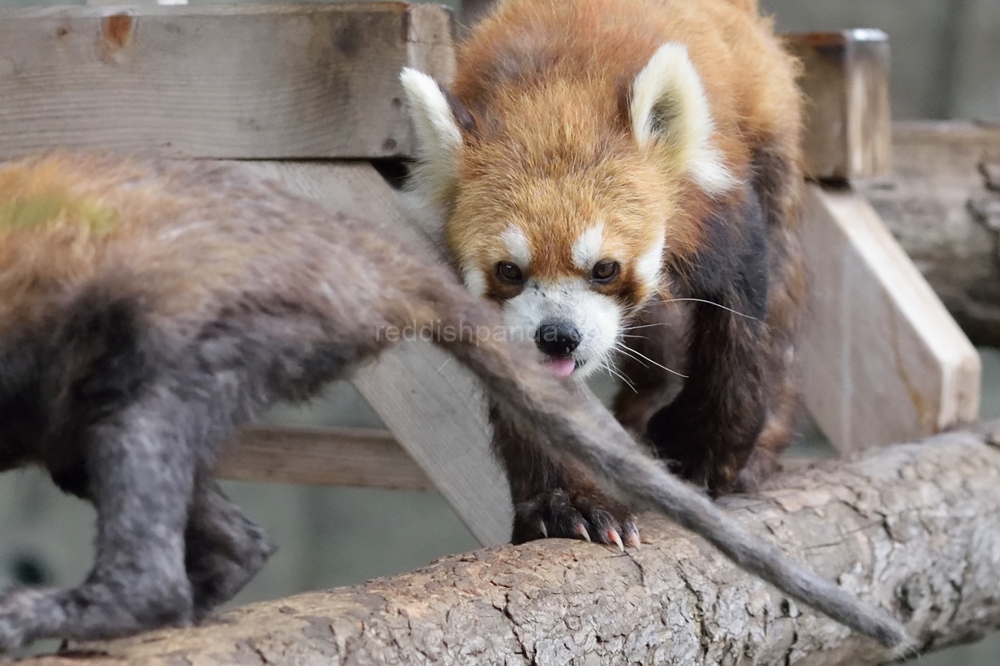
<point x="846" y="83"/>
<point x="882" y="360"/>
<point x="911" y="528"/>
<point x="321" y="456"/>
<point x="217" y="81"/>
<point x="430" y="403"/>
<point x="941" y="202"/>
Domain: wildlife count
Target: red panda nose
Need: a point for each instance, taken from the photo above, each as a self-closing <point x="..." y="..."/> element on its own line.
<point x="557" y="338"/>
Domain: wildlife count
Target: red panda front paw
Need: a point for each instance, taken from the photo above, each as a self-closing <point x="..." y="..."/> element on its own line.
<point x="589" y="516"/>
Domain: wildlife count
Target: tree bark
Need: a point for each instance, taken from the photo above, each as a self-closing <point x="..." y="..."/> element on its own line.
<point x="912" y="528"/>
<point x="942" y="202"/>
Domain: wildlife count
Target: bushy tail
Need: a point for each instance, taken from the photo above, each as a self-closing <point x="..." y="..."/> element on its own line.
<point x="568" y="421"/>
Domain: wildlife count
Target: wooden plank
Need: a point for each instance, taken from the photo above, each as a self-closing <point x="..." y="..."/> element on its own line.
<point x="431" y="404"/>
<point x="882" y="360"/>
<point x="217" y="81"/>
<point x="321" y="456"/>
<point x="848" y="132"/>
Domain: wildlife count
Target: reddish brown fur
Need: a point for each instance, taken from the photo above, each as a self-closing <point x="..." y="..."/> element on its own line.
<point x="567" y="114"/>
<point x="549" y="146"/>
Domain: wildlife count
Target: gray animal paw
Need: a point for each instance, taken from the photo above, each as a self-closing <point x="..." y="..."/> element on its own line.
<point x="23" y="614"/>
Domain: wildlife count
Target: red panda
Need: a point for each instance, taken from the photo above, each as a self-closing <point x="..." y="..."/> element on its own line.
<point x="147" y="309"/>
<point x="623" y="177"/>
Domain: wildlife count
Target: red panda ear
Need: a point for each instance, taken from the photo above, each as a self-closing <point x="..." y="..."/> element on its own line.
<point x="438" y="135"/>
<point x="670" y="111"/>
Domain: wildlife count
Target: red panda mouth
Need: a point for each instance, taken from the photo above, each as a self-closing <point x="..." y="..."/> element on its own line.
<point x="561" y="366"/>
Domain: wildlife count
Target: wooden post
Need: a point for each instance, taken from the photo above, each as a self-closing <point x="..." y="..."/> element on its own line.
<point x="846" y="82"/>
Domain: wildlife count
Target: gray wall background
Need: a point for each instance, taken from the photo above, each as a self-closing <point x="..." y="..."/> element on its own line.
<point x="946" y="64"/>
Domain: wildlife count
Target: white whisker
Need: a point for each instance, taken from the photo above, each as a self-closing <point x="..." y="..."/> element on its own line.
<point x="629" y="352"/>
<point x="636" y="355"/>
<point x="634" y="328"/>
<point x="611" y="371"/>
<point x="702" y="300"/>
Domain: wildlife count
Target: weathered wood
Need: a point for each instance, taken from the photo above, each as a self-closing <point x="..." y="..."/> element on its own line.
<point x="938" y="203"/>
<point x="882" y="360"/>
<point x="234" y="81"/>
<point x="321" y="456"/>
<point x="430" y="403"/>
<point x="911" y="528"/>
<point x="846" y="84"/>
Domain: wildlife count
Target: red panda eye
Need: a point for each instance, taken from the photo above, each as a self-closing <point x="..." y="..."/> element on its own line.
<point x="509" y="273"/>
<point x="605" y="271"/>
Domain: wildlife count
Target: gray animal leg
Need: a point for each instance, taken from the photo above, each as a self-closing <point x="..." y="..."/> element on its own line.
<point x="225" y="549"/>
<point x="140" y="467"/>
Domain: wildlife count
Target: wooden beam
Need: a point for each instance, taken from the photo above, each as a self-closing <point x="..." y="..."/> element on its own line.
<point x="848" y="132"/>
<point x="882" y="360"/>
<point x="321" y="456"/>
<point x="431" y="404"/>
<point x="217" y="81"/>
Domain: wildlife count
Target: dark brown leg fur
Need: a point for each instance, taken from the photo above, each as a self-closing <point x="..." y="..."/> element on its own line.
<point x="779" y="185"/>
<point x="656" y="340"/>
<point x="553" y="500"/>
<point x="734" y="415"/>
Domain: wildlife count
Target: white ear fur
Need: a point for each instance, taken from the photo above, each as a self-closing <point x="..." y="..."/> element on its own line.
<point x="669" y="107"/>
<point x="438" y="135"/>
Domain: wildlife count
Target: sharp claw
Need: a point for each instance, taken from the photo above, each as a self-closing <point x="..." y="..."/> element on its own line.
<point x="581" y="529"/>
<point x="617" y="540"/>
<point x="632" y="538"/>
<point x="545" y="530"/>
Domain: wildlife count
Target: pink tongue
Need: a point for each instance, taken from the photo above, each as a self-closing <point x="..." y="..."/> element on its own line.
<point x="561" y="367"/>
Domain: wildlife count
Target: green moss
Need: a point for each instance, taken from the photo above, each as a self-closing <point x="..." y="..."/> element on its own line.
<point x="49" y="208"/>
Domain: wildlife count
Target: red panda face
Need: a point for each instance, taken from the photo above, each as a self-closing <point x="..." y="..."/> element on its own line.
<point x="563" y="206"/>
<point x="569" y="253"/>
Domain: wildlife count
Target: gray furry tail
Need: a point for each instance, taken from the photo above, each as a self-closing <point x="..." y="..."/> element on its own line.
<point x="578" y="427"/>
<point x="567" y="422"/>
<point x="643" y="478"/>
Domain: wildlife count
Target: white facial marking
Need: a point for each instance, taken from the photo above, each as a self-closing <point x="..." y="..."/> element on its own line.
<point x="474" y="279"/>
<point x="647" y="268"/>
<point x="596" y="317"/>
<point x="669" y="105"/>
<point x="587" y="248"/>
<point x="516" y="244"/>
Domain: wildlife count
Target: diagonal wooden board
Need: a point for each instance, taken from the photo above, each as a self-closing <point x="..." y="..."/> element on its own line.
<point x="431" y="405"/>
<point x="217" y="81"/>
<point x="882" y="360"/>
